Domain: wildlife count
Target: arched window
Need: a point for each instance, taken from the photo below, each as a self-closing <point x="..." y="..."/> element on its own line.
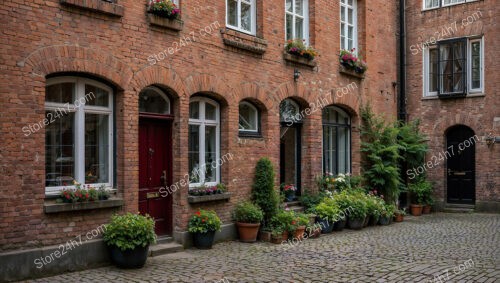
<point x="153" y="100"/>
<point x="290" y="111"/>
<point x="336" y="141"/>
<point x="204" y="142"/>
<point x="78" y="133"/>
<point x="248" y="118"/>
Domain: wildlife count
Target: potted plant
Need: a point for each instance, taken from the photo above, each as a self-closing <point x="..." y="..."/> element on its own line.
<point x="263" y="190"/>
<point x="202" y="226"/>
<point x="358" y="212"/>
<point x="428" y="200"/>
<point x="102" y="194"/>
<point x="277" y="235"/>
<point x="128" y="238"/>
<point x="298" y="48"/>
<point x="248" y="217"/>
<point x="349" y="60"/>
<point x="286" y="220"/>
<point x="289" y="191"/>
<point x="418" y="190"/>
<point x="374" y="206"/>
<point x="164" y="8"/>
<point x="386" y="214"/>
<point x="302" y="221"/>
<point x="326" y="212"/>
<point x="399" y="215"/>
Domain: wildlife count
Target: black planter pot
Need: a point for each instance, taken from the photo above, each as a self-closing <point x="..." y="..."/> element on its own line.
<point x="326" y="226"/>
<point x="355" y="224"/>
<point x="135" y="258"/>
<point x="339" y="225"/>
<point x="203" y="240"/>
<point x="374" y="220"/>
<point x="385" y="220"/>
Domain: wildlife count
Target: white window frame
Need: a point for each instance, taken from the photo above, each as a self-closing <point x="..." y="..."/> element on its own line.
<point x="354" y="7"/>
<point x="202" y="122"/>
<point x="349" y="136"/>
<point x="79" y="138"/>
<point x="305" y="22"/>
<point x="257" y="114"/>
<point x="441" y="4"/>
<point x="469" y="65"/>
<point x="253" y="24"/>
<point x="426" y="69"/>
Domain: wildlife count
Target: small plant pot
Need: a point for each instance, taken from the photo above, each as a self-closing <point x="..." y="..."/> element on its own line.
<point x="355" y="224"/>
<point x="416" y="209"/>
<point x="326" y="226"/>
<point x="340" y="225"/>
<point x="264" y="236"/>
<point x="374" y="220"/>
<point x="128" y="259"/>
<point x="284" y="236"/>
<point x="398" y="218"/>
<point x="277" y="239"/>
<point x="384" y="220"/>
<point x="426" y="209"/>
<point x="248" y="231"/>
<point x="203" y="241"/>
<point x="299" y="233"/>
<point x="289" y="197"/>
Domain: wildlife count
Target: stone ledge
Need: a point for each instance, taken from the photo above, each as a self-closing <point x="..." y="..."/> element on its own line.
<point x="50" y="206"/>
<point x="352" y="73"/>
<point x="173" y="24"/>
<point x="97" y="6"/>
<point x="208" y="198"/>
<point x="243" y="41"/>
<point x="299" y="60"/>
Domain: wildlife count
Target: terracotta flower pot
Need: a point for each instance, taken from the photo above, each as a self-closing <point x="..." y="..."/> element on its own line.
<point x="277" y="239"/>
<point x="299" y="232"/>
<point x="248" y="231"/>
<point x="284" y="236"/>
<point x="398" y="218"/>
<point x="426" y="209"/>
<point x="416" y="209"/>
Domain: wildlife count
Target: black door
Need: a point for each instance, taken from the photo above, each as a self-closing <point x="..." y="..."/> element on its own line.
<point x="461" y="165"/>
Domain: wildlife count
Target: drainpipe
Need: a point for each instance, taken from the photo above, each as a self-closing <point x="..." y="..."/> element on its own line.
<point x="402" y="63"/>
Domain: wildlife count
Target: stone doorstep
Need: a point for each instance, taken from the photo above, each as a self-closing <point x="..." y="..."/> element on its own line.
<point x="161" y="249"/>
<point x="458" y="208"/>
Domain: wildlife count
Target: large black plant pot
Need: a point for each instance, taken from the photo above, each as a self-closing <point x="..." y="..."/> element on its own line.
<point x="135" y="258"/>
<point x="340" y="225"/>
<point x="203" y="240"/>
<point x="355" y="224"/>
<point x="385" y="220"/>
<point x="326" y="226"/>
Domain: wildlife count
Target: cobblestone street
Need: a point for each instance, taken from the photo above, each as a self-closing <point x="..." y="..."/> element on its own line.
<point x="456" y="247"/>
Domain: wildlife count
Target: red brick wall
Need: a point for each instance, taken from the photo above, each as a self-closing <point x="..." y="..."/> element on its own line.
<point x="41" y="38"/>
<point x="478" y="113"/>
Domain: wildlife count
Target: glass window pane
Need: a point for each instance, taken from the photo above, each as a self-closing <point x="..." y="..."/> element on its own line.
<point x="342" y="13"/>
<point x="350" y="32"/>
<point x="299" y="7"/>
<point x="289" y="7"/>
<point x="194" y="110"/>
<point x="210" y="112"/>
<point x="299" y="28"/>
<point x="247" y="118"/>
<point x="94" y="96"/>
<point x="289" y="27"/>
<point x="60" y="93"/>
<point x="96" y="148"/>
<point x="193" y="153"/>
<point x="151" y="101"/>
<point x="350" y="17"/>
<point x="59" y="149"/>
<point x="476" y="64"/>
<point x="433" y="70"/>
<point x="210" y="154"/>
<point x="246" y="17"/>
<point x="232" y="12"/>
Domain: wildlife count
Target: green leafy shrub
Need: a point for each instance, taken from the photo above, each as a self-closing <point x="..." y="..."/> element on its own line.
<point x="357" y="206"/>
<point x="263" y="193"/>
<point x="129" y="231"/>
<point x="204" y="221"/>
<point x="421" y="191"/>
<point x="327" y="209"/>
<point x="374" y="205"/>
<point x="286" y="219"/>
<point x="310" y="201"/>
<point x="247" y="212"/>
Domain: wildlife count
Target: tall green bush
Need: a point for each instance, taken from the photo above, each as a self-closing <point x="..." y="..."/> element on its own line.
<point x="263" y="193"/>
<point x="412" y="147"/>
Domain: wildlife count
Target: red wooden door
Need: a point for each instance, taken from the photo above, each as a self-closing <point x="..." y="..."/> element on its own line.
<point x="155" y="163"/>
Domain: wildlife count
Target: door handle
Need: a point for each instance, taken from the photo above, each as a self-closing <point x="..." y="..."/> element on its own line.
<point x="163" y="177"/>
<point x="459" y="173"/>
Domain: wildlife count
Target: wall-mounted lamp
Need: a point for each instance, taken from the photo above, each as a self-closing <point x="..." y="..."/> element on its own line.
<point x="490" y="140"/>
<point x="296" y="74"/>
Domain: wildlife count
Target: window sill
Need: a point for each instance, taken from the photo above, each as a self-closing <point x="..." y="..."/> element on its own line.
<point x="243" y="41"/>
<point x="173" y="24"/>
<point x="96" y="6"/>
<point x="249" y="135"/>
<point x="299" y="60"/>
<point x="472" y="95"/>
<point x="50" y="206"/>
<point x="209" y="198"/>
<point x="345" y="71"/>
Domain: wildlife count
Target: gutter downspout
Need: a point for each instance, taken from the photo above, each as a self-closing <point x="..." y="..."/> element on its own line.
<point x="402" y="63"/>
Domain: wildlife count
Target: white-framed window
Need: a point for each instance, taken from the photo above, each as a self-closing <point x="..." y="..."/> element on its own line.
<point x="154" y="100"/>
<point x="204" y="142"/>
<point x="348" y="24"/>
<point x="432" y="4"/>
<point x="336" y="141"/>
<point x="297" y="20"/>
<point x="241" y="15"/>
<point x="454" y="67"/>
<point x="248" y="118"/>
<point x="78" y="133"/>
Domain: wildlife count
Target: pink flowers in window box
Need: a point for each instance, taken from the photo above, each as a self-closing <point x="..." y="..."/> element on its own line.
<point x="164" y="8"/>
<point x="349" y="60"/>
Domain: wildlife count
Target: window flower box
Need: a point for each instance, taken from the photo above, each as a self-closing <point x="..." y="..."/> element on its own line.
<point x="351" y="65"/>
<point x="350" y="72"/>
<point x="105" y="7"/>
<point x="51" y="206"/>
<point x="209" y="198"/>
<point x="296" y="51"/>
<point x="243" y="41"/>
<point x="299" y="60"/>
<point x="173" y="24"/>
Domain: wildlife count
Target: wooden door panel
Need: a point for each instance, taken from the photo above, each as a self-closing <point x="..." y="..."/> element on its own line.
<point x="460" y="166"/>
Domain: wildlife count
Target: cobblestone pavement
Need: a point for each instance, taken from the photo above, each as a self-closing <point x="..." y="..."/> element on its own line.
<point x="456" y="247"/>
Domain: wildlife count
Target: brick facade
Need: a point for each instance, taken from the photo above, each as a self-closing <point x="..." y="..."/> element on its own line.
<point x="481" y="112"/>
<point x="112" y="44"/>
